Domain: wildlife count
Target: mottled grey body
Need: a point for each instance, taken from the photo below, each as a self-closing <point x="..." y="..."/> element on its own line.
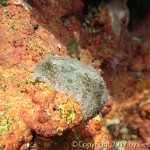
<point x="76" y="79"/>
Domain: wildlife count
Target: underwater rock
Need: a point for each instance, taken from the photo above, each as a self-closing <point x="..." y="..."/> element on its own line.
<point x="74" y="78"/>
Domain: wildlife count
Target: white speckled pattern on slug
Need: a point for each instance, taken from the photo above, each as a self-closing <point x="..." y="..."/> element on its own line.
<point x="74" y="78"/>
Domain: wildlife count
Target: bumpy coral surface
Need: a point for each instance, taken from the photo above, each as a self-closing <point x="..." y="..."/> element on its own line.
<point x="31" y="31"/>
<point x="32" y="107"/>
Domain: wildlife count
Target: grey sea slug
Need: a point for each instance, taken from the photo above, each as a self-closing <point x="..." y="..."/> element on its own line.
<point x="74" y="78"/>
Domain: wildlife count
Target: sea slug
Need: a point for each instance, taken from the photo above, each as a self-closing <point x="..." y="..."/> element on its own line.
<point x="76" y="79"/>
